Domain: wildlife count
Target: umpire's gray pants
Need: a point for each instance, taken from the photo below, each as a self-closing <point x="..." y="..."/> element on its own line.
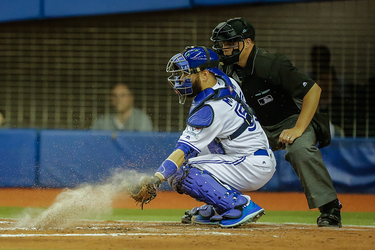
<point x="306" y="161"/>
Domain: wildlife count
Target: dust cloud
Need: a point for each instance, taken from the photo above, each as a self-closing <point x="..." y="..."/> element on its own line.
<point x="84" y="202"/>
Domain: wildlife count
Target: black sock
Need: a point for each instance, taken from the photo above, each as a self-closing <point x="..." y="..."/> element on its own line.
<point x="330" y="205"/>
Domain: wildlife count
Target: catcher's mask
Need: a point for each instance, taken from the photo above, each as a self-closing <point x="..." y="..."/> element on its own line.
<point x="231" y="33"/>
<point x="191" y="61"/>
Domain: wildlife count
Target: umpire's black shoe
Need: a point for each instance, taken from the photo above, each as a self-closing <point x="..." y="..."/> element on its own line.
<point x="330" y="215"/>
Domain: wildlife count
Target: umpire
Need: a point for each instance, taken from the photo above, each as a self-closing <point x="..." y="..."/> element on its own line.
<point x="285" y="101"/>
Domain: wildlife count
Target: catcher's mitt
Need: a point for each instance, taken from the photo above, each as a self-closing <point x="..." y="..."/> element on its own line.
<point x="146" y="191"/>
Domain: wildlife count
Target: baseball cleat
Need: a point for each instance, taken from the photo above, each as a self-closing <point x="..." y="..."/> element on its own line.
<point x="330" y="214"/>
<point x="205" y="212"/>
<point x="330" y="218"/>
<point x="186" y="219"/>
<point x="250" y="213"/>
<point x="197" y="219"/>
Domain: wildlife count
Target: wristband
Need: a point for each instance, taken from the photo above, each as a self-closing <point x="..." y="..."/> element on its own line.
<point x="167" y="168"/>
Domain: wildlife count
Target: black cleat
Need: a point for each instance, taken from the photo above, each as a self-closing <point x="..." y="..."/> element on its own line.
<point x="330" y="215"/>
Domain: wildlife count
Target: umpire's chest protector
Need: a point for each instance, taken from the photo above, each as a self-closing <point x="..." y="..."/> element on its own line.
<point x="263" y="89"/>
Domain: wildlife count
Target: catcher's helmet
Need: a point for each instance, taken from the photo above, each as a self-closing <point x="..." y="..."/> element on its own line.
<point x="233" y="30"/>
<point x="191" y="61"/>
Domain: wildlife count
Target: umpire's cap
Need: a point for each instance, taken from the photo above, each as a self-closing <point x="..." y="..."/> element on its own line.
<point x="241" y="27"/>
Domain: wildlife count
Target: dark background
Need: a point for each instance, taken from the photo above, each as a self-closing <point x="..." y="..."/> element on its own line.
<point x="55" y="72"/>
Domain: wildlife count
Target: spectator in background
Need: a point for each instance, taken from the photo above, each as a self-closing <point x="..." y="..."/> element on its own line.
<point x="332" y="87"/>
<point x="2" y="118"/>
<point x="125" y="117"/>
<point x="371" y="108"/>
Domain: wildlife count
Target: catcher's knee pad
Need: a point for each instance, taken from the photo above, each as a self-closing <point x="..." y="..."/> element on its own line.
<point x="204" y="187"/>
<point x="175" y="180"/>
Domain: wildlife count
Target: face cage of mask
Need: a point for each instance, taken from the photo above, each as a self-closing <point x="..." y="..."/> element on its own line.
<point x="228" y="59"/>
<point x="180" y="78"/>
<point x="181" y="84"/>
<point x="219" y="46"/>
<point x="224" y="33"/>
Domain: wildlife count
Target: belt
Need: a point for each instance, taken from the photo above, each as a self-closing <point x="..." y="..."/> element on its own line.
<point x="261" y="152"/>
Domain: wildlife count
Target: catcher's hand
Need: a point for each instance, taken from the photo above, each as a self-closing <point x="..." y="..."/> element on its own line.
<point x="145" y="191"/>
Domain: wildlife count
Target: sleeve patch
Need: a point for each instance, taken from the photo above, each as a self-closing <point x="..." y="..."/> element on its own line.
<point x="202" y="118"/>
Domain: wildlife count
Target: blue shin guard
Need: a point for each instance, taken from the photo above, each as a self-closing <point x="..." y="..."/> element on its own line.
<point x="227" y="202"/>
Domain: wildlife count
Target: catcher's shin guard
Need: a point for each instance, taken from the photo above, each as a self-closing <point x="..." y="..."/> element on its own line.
<point x="204" y="187"/>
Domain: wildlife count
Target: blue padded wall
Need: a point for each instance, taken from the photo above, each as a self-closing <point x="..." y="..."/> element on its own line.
<point x="70" y="158"/>
<point x="18" y="152"/>
<point x="58" y="8"/>
<point x="14" y="10"/>
<point x="350" y="162"/>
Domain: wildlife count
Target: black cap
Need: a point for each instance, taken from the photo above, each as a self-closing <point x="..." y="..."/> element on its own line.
<point x="242" y="27"/>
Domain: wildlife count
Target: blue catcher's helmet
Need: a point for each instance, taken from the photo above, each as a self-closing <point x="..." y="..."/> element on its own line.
<point x="191" y="61"/>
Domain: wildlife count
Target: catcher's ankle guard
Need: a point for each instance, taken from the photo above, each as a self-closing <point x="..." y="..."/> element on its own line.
<point x="206" y="211"/>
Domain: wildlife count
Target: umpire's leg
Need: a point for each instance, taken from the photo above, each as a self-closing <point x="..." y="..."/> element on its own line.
<point x="306" y="161"/>
<point x="308" y="164"/>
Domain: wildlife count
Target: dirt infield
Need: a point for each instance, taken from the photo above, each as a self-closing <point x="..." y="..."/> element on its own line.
<point x="164" y="235"/>
<point x="172" y="235"/>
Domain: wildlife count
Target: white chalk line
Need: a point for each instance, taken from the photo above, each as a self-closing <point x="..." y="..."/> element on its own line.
<point x="113" y="234"/>
<point x="237" y="233"/>
<point x="204" y="231"/>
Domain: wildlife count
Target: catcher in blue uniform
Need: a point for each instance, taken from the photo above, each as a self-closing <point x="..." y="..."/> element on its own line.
<point x="222" y="152"/>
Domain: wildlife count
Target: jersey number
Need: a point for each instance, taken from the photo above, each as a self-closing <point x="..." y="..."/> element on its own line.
<point x="241" y="112"/>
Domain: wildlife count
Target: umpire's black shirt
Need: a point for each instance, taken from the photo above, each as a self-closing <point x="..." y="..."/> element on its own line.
<point x="272" y="86"/>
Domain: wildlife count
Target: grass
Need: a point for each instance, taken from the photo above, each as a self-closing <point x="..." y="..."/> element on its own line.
<point x="305" y="217"/>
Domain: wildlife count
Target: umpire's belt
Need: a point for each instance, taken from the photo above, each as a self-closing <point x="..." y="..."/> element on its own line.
<point x="261" y="152"/>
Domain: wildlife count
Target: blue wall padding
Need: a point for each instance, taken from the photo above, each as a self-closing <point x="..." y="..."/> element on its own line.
<point x="351" y="163"/>
<point x="70" y="158"/>
<point x="11" y="10"/>
<point x="18" y="152"/>
<point x="228" y="2"/>
<point x="58" y="8"/>
<point x="14" y="10"/>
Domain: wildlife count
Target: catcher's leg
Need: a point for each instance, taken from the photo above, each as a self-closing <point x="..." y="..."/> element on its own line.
<point x="206" y="211"/>
<point x="224" y="205"/>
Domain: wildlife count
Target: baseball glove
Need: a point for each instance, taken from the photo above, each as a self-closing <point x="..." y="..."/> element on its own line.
<point x="145" y="191"/>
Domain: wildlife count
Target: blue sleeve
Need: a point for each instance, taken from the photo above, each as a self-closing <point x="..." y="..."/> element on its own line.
<point x="188" y="151"/>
